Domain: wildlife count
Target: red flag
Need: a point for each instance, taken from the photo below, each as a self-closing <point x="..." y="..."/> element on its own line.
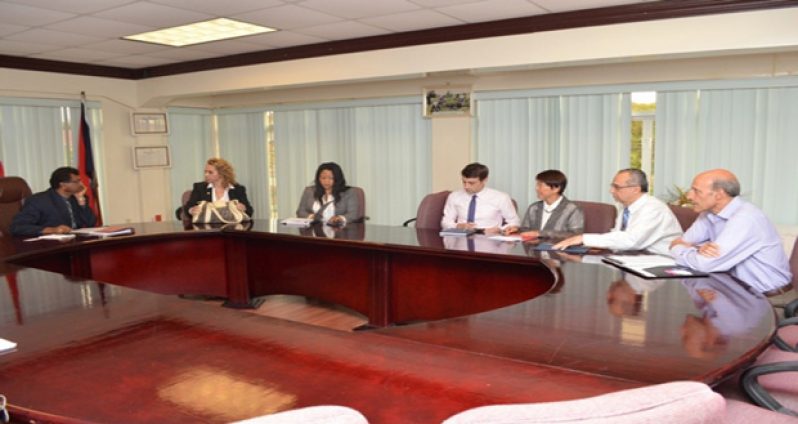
<point x="86" y="165"/>
<point x="2" y="170"/>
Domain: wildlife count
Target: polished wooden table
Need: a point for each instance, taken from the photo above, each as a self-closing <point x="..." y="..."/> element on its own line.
<point x="453" y="324"/>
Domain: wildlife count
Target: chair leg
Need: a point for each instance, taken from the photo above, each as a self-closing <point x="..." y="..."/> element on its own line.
<point x="758" y="394"/>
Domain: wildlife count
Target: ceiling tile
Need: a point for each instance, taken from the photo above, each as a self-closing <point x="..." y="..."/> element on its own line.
<point x="287" y="17"/>
<point x="22" y="48"/>
<point x="135" y="62"/>
<point x="221" y="8"/>
<point x="126" y="47"/>
<point x="6" y="29"/>
<point x="284" y="39"/>
<point x="409" y="21"/>
<point x="353" y="9"/>
<point x="19" y="14"/>
<point x="74" y="6"/>
<point x="566" y="5"/>
<point x="183" y="53"/>
<point x="153" y="15"/>
<point x="441" y="3"/>
<point x="55" y="38"/>
<point x="76" y="55"/>
<point x="343" y="30"/>
<point x="226" y="47"/>
<point x="489" y="10"/>
<point x="98" y="27"/>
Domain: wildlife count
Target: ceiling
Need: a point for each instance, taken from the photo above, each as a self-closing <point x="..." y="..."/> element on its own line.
<point x="89" y="31"/>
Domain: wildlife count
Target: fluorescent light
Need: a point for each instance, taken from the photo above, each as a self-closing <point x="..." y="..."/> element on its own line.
<point x="199" y="32"/>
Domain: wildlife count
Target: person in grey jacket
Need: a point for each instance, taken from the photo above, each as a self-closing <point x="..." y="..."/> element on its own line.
<point x="329" y="199"/>
<point x="553" y="216"/>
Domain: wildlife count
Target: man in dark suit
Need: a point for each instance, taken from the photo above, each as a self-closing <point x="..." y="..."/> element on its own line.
<point x="57" y="210"/>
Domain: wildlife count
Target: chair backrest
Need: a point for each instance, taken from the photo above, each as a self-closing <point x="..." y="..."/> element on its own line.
<point x="684" y="215"/>
<point x="599" y="217"/>
<point x="361" y="201"/>
<point x="181" y="213"/>
<point x="430" y="210"/>
<point x="677" y="402"/>
<point x="13" y="192"/>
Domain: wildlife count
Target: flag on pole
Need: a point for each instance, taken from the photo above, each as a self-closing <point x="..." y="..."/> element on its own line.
<point x="2" y="170"/>
<point x="88" y="175"/>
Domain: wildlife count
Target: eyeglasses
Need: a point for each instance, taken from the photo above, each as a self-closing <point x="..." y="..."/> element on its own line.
<point x="618" y="187"/>
<point x="72" y="182"/>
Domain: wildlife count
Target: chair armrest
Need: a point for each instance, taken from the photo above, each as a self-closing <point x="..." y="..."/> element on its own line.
<point x="781" y="343"/>
<point x="758" y="394"/>
<point x="406" y="223"/>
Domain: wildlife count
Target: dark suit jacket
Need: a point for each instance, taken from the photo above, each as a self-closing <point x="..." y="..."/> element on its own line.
<point x="47" y="209"/>
<point x="201" y="192"/>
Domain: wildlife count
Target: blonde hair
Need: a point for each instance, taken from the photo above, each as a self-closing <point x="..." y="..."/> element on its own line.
<point x="224" y="169"/>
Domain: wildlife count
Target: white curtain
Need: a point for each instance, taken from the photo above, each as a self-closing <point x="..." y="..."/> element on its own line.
<point x="750" y="131"/>
<point x="385" y="149"/>
<point x="38" y="136"/>
<point x="242" y="142"/>
<point x="191" y="144"/>
<point x="585" y="136"/>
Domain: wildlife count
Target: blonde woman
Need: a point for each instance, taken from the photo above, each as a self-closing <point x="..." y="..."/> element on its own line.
<point x="219" y="185"/>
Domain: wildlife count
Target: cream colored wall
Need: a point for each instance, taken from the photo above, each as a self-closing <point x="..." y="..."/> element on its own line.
<point x="740" y="45"/>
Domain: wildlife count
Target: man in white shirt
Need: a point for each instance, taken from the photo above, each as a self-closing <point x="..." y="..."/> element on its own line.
<point x="477" y="206"/>
<point x="646" y="223"/>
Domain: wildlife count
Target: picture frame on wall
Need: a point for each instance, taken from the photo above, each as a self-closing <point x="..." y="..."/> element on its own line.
<point x="149" y="123"/>
<point x="447" y="101"/>
<point x="145" y="157"/>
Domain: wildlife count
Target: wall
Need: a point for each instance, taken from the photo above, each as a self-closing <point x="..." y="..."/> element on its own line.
<point x="740" y="45"/>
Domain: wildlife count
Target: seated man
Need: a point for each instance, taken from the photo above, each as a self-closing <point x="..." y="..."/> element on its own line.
<point x="55" y="211"/>
<point x="732" y="235"/>
<point x="645" y="224"/>
<point x="553" y="216"/>
<point x="477" y="206"/>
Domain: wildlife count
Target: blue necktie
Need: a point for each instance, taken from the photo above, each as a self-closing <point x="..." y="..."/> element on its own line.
<point x="472" y="209"/>
<point x="625" y="219"/>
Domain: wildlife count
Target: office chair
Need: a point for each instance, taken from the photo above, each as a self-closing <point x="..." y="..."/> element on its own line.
<point x="599" y="217"/>
<point x="13" y="192"/>
<point x="181" y="213"/>
<point x="430" y="211"/>
<point x="361" y="198"/>
<point x="686" y="216"/>
<point x="311" y="415"/>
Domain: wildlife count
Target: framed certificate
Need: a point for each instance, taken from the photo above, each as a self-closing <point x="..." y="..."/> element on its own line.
<point x="148" y="123"/>
<point x="151" y="157"/>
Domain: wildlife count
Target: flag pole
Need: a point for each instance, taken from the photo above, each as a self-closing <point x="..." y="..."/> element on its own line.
<point x="88" y="174"/>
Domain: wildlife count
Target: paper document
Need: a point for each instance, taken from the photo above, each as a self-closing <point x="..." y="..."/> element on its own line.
<point x="642" y="260"/>
<point x="515" y="237"/>
<point x="104" y="231"/>
<point x="59" y="237"/>
<point x="652" y="266"/>
<point x="7" y="346"/>
<point x="297" y="222"/>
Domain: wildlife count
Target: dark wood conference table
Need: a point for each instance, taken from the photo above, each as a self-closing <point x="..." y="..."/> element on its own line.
<point x="454" y="323"/>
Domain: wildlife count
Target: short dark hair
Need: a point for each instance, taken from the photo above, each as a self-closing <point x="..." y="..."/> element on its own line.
<point x="475" y="170"/>
<point x="62" y="175"/>
<point x="553" y="178"/>
<point x="637" y="178"/>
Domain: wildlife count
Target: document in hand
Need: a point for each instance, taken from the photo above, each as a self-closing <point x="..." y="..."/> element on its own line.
<point x="7" y="346"/>
<point x="116" y="230"/>
<point x="652" y="266"/>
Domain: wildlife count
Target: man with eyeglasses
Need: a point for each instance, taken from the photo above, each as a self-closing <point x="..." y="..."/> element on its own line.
<point x="646" y="222"/>
<point x="57" y="210"/>
<point x="732" y="235"/>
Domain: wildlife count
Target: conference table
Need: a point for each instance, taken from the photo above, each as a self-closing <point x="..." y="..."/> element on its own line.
<point x="111" y="330"/>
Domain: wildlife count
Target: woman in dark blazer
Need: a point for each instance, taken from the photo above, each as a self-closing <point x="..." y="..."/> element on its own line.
<point x="219" y="185"/>
<point x="329" y="199"/>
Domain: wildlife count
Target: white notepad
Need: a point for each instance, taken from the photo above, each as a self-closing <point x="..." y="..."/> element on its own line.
<point x="7" y="346"/>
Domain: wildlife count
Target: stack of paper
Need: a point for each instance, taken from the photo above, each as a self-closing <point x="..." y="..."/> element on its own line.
<point x="104" y="231"/>
<point x="7" y="346"/>
<point x="642" y="261"/>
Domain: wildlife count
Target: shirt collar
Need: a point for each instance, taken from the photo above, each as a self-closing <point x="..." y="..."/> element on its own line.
<point x="730" y="209"/>
<point x="637" y="204"/>
<point x="553" y="206"/>
<point x="229" y="187"/>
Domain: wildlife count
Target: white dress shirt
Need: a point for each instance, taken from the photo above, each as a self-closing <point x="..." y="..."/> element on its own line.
<point x="493" y="207"/>
<point x="547" y="210"/>
<point x="224" y="198"/>
<point x="652" y="226"/>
